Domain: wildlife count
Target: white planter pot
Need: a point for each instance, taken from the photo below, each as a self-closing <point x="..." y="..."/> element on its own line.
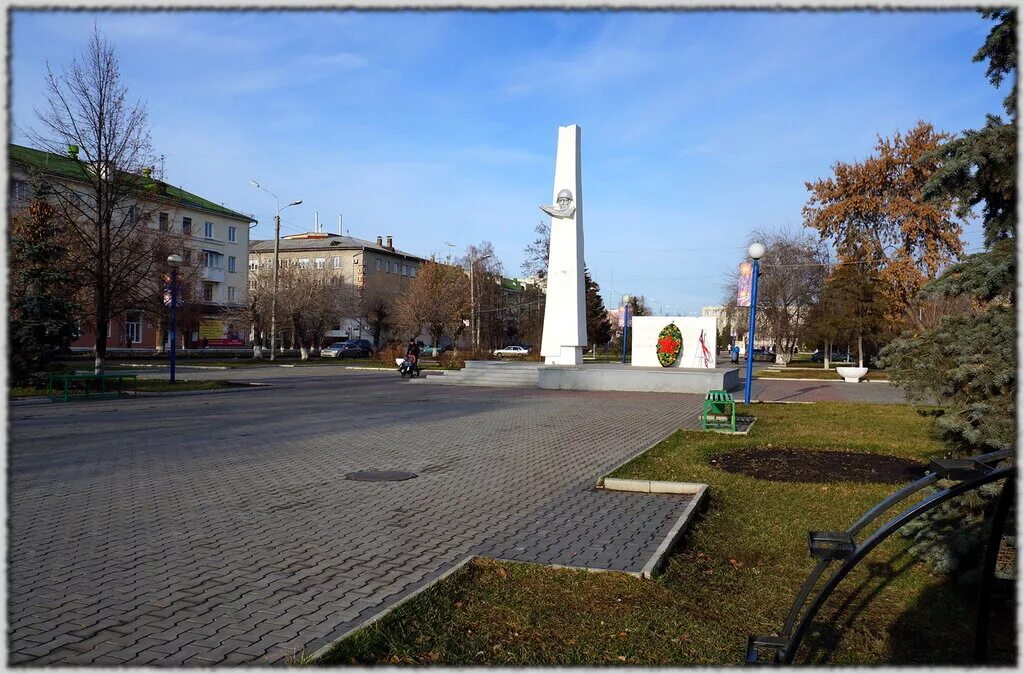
<point x="852" y="374"/>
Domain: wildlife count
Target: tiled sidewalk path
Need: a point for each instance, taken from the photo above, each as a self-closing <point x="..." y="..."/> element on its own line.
<point x="781" y="390"/>
<point x="218" y="529"/>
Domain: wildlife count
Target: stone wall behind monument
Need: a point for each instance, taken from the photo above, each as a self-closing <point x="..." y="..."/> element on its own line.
<point x="644" y="340"/>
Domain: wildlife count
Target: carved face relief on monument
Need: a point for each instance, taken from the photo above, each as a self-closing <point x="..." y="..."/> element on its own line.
<point x="564" y="207"/>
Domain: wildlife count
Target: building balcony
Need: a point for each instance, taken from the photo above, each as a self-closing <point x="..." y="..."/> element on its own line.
<point x="213" y="274"/>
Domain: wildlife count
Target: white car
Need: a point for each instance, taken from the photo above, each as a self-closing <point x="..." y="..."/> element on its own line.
<point x="332" y="351"/>
<point x="512" y="351"/>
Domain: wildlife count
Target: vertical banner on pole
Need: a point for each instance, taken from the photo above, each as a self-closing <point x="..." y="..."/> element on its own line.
<point x="743" y="286"/>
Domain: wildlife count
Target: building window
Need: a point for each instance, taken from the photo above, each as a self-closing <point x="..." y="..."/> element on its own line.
<point x="212" y="259"/>
<point x="336" y="263"/>
<point x="186" y="225"/>
<point x="133" y="327"/>
<point x="412" y="270"/>
<point x="187" y="256"/>
<point x="252" y="284"/>
<point x="320" y="262"/>
<point x="303" y="263"/>
<point x="165" y="222"/>
<point x="231" y="263"/>
<point x="207" y="292"/>
<point x="232" y="234"/>
<point x="377" y="265"/>
<point x="231" y="294"/>
<point x="254" y="264"/>
<point x="209" y="230"/>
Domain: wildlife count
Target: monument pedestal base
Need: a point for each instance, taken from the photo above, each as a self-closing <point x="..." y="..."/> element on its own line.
<point x="613" y="377"/>
<point x="589" y="377"/>
<point x="569" y="355"/>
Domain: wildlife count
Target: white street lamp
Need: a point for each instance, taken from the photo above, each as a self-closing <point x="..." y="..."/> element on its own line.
<point x="277" y="246"/>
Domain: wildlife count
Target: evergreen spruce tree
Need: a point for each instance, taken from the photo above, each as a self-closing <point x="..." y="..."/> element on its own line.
<point x="599" y="328"/>
<point x="42" y="313"/>
<point x="968" y="362"/>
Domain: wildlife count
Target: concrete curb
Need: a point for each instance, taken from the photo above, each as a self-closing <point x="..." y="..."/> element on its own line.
<point x="651" y="486"/>
<point x="326" y="648"/>
<point x="657" y="560"/>
<point x="698" y="492"/>
<point x="251" y="386"/>
<point x="837" y="381"/>
<point x="167" y="367"/>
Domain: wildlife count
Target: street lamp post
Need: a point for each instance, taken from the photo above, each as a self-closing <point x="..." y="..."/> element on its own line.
<point x="277" y="253"/>
<point x="474" y="326"/>
<point x="174" y="261"/>
<point x="625" y="325"/>
<point x="756" y="252"/>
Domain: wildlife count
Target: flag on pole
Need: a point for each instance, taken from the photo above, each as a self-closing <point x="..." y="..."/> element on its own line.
<point x="705" y="353"/>
<point x="743" y="287"/>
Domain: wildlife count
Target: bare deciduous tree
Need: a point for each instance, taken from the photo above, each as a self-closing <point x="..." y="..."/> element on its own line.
<point x="89" y="118"/>
<point x="375" y="305"/>
<point x="793" y="272"/>
<point x="437" y="299"/>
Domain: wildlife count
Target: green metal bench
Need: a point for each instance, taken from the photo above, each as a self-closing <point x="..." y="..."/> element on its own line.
<point x="65" y="382"/>
<point x="719" y="411"/>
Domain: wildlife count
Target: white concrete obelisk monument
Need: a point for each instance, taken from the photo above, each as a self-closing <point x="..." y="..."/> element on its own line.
<point x="565" y="323"/>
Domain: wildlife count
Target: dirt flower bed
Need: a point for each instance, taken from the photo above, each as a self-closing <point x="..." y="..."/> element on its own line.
<point x="803" y="465"/>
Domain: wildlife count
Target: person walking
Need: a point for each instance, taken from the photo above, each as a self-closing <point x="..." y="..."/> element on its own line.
<point x="734" y="354"/>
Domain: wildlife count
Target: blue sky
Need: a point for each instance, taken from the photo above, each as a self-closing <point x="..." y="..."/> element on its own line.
<point x="439" y="127"/>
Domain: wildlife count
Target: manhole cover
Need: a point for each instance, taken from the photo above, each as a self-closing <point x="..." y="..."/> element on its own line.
<point x="380" y="475"/>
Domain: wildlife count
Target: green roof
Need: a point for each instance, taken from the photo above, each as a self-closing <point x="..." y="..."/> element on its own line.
<point x="511" y="284"/>
<point x="65" y="167"/>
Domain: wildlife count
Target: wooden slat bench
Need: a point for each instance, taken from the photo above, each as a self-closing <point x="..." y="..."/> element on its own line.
<point x="65" y="383"/>
<point x="719" y="411"/>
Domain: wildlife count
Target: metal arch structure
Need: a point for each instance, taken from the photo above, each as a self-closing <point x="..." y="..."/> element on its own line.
<point x="828" y="547"/>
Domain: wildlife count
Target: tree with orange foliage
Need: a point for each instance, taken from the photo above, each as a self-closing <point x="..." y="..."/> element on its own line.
<point x="874" y="214"/>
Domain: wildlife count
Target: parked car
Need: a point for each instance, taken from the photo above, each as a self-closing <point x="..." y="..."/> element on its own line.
<point x="364" y="344"/>
<point x="763" y="355"/>
<point x="333" y="351"/>
<point x="351" y="349"/>
<point x="819" y="356"/>
<point x="433" y="350"/>
<point x="512" y="351"/>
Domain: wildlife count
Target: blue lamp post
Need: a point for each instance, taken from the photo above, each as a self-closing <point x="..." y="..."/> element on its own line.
<point x="756" y="252"/>
<point x="625" y="325"/>
<point x="174" y="261"/>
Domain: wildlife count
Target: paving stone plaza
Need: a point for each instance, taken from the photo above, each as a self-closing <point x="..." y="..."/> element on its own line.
<point x="220" y="529"/>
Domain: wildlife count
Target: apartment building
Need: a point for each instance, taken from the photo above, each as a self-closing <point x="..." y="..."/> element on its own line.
<point x="215" y="240"/>
<point x="359" y="264"/>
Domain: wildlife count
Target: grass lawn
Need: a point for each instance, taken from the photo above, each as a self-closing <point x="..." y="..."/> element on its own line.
<point x="147" y="385"/>
<point x="819" y="373"/>
<point x="735" y="574"/>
